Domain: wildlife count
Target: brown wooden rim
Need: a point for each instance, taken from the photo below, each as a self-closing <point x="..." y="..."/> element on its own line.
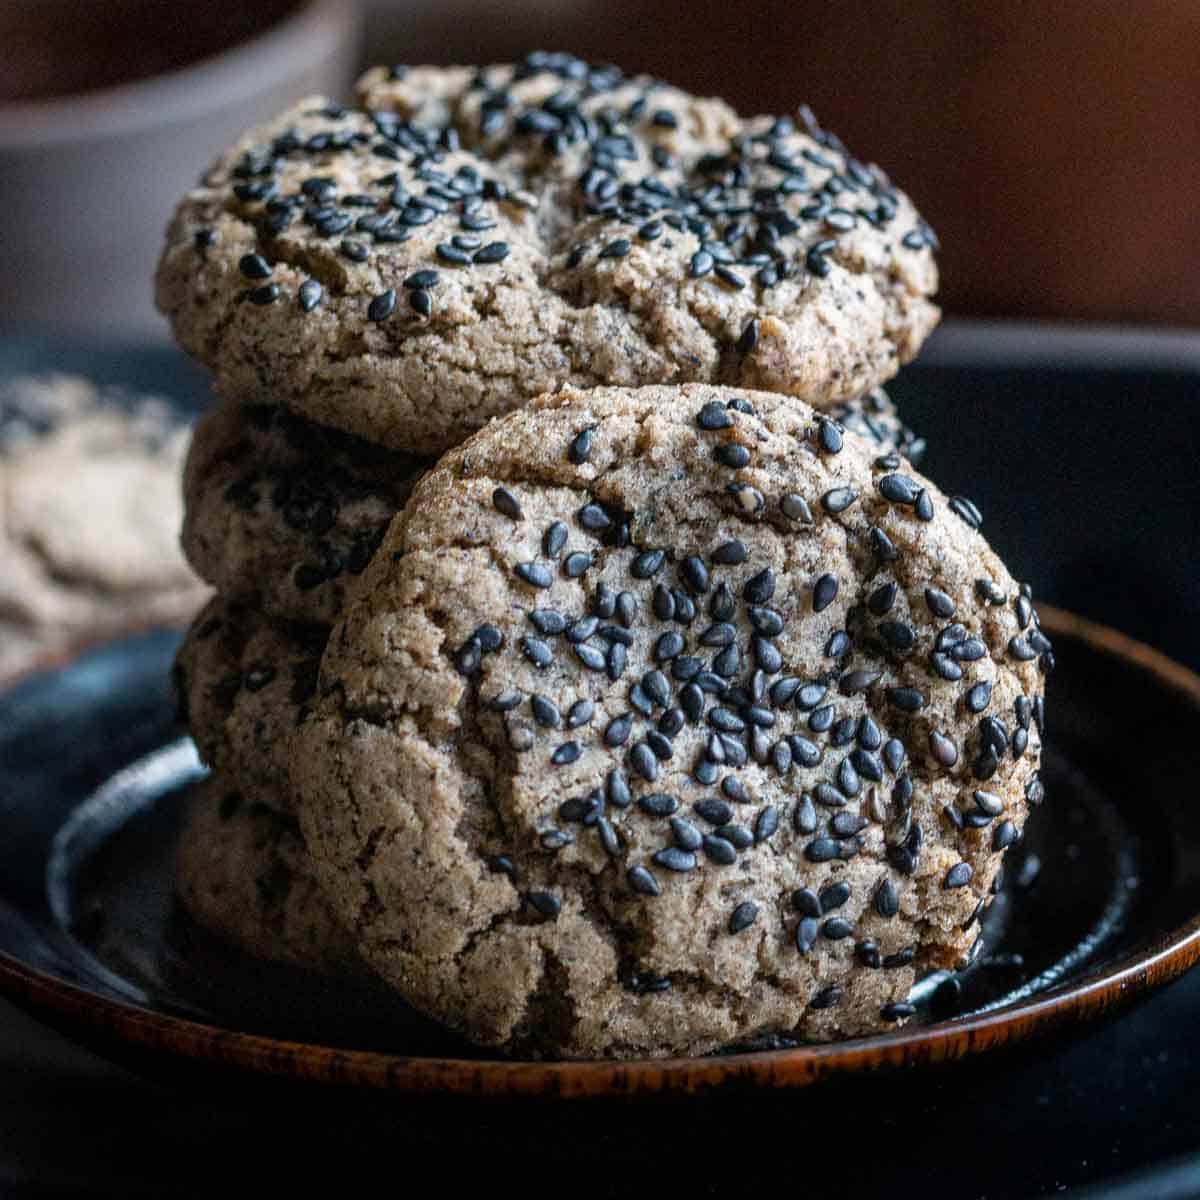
<point x="1163" y="960"/>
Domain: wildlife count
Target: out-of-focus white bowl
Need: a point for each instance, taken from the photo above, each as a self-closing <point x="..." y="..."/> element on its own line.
<point x="88" y="182"/>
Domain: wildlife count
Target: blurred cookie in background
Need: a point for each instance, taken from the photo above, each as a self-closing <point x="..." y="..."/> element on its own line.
<point x="90" y="510"/>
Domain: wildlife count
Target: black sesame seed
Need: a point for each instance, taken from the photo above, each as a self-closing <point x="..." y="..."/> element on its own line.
<point x="311" y="293"/>
<point x="837" y="500"/>
<point x="574" y="565"/>
<point x="719" y="850"/>
<point x="545" y="711"/>
<point x="897" y="1010"/>
<point x="453" y="254"/>
<point x="422" y="279"/>
<point x="1004" y="836"/>
<point x="674" y="859"/>
<point x="732" y="454"/>
<point x="267" y="294"/>
<point x="642" y="882"/>
<point x="886" y="899"/>
<point x="714" y="415"/>
<point x="898" y="489"/>
<point x="730" y="553"/>
<point x="493" y="252"/>
<point x="846" y="824"/>
<point x="535" y="574"/>
<point x="825" y="590"/>
<point x="944" y="751"/>
<point x="468" y="658"/>
<point x="796" y="508"/>
<point x="546" y="903"/>
<point x="647" y="564"/>
<point x="907" y="699"/>
<point x="382" y="306"/>
<point x="668" y="646"/>
<point x="695" y="574"/>
<point x="924" y="506"/>
<point x="833" y="896"/>
<point x="537" y="651"/>
<point x="743" y="916"/>
<point x="959" y="875"/>
<point x="548" y="621"/>
<point x="939" y="603"/>
<point x="421" y="302"/>
<point x="829" y="436"/>
<point x="822" y="850"/>
<point x="748" y="338"/>
<point x="590" y="657"/>
<point x="837" y="928"/>
<point x="643" y="761"/>
<point x="254" y="266"/>
<point x="766" y="823"/>
<point x="580" y="713"/>
<point x="616" y="789"/>
<point x="554" y="539"/>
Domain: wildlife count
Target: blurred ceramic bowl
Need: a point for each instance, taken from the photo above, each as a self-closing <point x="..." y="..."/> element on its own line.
<point x="88" y="179"/>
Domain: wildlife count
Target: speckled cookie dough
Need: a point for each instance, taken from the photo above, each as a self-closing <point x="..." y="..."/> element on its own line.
<point x="667" y="718"/>
<point x="244" y="683"/>
<point x="282" y="513"/>
<point x="472" y="237"/>
<point x="89" y="516"/>
<point x="244" y="875"/>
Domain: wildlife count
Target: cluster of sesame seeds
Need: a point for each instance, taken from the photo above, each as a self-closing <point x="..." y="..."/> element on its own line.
<point x="717" y="687"/>
<point x="772" y="205"/>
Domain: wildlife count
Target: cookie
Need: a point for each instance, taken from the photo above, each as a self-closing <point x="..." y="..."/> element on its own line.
<point x="472" y="237"/>
<point x="244" y="683"/>
<point x="89" y="517"/>
<point x="243" y="873"/>
<point x="281" y="513"/>
<point x="666" y="718"/>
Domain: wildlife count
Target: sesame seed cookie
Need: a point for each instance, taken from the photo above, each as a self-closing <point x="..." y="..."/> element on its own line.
<point x="244" y="683"/>
<point x="468" y="238"/>
<point x="89" y="516"/>
<point x="669" y="717"/>
<point x="243" y="873"/>
<point x="281" y="513"/>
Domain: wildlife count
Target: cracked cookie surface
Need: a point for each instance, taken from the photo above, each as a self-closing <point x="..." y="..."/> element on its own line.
<point x="280" y="513"/>
<point x="669" y="717"/>
<point x="469" y="238"/>
<point x="89" y="516"/>
<point x="244" y="683"/>
<point x="243" y="873"/>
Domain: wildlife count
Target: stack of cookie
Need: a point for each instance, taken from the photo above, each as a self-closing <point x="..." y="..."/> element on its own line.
<point x="670" y="707"/>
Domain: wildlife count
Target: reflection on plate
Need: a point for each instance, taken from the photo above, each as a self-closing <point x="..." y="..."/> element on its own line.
<point x="1100" y="903"/>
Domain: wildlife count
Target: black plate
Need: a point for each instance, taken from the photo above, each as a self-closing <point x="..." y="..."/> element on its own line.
<point x="1101" y="901"/>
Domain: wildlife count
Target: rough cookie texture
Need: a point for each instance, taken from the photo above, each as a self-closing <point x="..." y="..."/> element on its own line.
<point x="280" y="512"/>
<point x="244" y="683"/>
<point x="244" y="875"/>
<point x="669" y="717"/>
<point x="89" y="516"/>
<point x="472" y="237"/>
